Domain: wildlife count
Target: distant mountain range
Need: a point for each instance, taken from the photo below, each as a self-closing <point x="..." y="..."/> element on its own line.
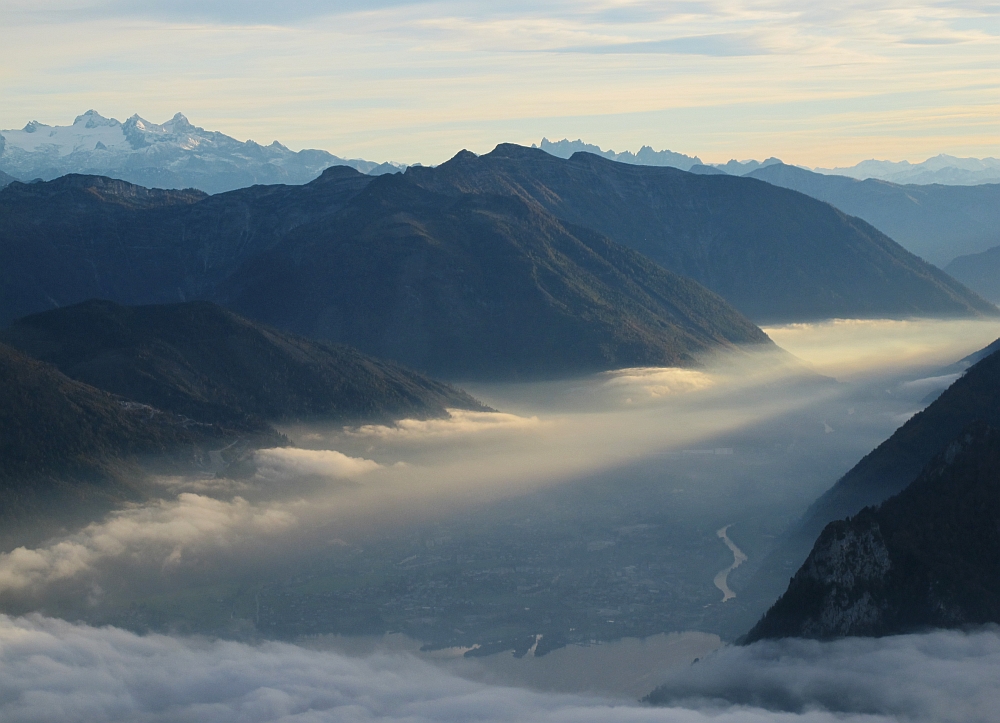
<point x="174" y="154"/>
<point x="935" y="222"/>
<point x="927" y="557"/>
<point x="645" y="157"/>
<point x="941" y="169"/>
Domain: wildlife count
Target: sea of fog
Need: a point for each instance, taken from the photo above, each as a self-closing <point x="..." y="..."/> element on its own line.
<point x="621" y="482"/>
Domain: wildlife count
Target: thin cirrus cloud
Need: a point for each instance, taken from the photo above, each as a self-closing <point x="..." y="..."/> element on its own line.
<point x="163" y="534"/>
<point x="227" y="12"/>
<point x="717" y="45"/>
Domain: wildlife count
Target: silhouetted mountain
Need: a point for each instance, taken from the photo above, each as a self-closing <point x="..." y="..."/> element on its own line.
<point x="5" y="179"/>
<point x="927" y="557"/>
<point x="200" y="361"/>
<point x="935" y="222"/>
<point x="885" y="471"/>
<point x="82" y="237"/>
<point x="775" y="254"/>
<point x="67" y="444"/>
<point x="479" y="285"/>
<point x="980" y="272"/>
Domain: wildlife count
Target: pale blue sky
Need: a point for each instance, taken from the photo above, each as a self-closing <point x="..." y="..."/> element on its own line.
<point x="410" y="80"/>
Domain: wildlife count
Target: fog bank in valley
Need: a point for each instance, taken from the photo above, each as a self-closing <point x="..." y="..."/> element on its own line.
<point x="587" y="465"/>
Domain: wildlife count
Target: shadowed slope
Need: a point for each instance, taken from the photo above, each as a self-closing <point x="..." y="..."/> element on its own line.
<point x="927" y="557"/>
<point x="481" y="286"/>
<point x="201" y="361"/>
<point x="776" y="255"/>
<point x="66" y="444"/>
<point x="81" y="237"/>
<point x="884" y="472"/>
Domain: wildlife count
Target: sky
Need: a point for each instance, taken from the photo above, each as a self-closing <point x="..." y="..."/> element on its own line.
<point x="416" y="81"/>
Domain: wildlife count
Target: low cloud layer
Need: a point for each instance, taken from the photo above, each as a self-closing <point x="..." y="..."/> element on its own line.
<point x="358" y="482"/>
<point x="54" y="671"/>
<point x="941" y="676"/>
<point x="654" y="383"/>
<point x="281" y="463"/>
<point x="854" y="348"/>
<point x="163" y="535"/>
<point x="460" y="422"/>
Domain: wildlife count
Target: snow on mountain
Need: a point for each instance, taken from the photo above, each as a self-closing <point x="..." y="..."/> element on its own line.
<point x="88" y="132"/>
<point x="174" y="154"/>
<point x="942" y="168"/>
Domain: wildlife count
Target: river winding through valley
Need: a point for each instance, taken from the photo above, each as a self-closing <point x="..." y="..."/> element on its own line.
<point x="739" y="557"/>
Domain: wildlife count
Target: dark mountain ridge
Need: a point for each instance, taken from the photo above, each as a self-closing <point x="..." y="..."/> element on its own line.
<point x="776" y="255"/>
<point x="773" y="253"/>
<point x="927" y="557"/>
<point x="68" y="450"/>
<point x="82" y="237"/>
<point x="202" y="362"/>
<point x="480" y="285"/>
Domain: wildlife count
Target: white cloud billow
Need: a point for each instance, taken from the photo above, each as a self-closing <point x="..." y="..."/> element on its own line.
<point x="161" y="533"/>
<point x="283" y="462"/>
<point x="460" y="422"/>
<point x="53" y="671"/>
<point x="943" y="676"/>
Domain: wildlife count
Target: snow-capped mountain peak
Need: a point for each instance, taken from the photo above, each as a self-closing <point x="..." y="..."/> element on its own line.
<point x="174" y="154"/>
<point x="93" y="119"/>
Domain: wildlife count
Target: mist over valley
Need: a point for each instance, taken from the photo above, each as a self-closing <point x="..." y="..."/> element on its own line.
<point x="541" y="434"/>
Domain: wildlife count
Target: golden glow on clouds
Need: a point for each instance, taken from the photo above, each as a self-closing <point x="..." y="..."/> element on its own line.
<point x="417" y="81"/>
<point x="851" y="348"/>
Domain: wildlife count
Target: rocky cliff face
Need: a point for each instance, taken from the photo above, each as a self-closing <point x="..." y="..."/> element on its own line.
<point x="928" y="557"/>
